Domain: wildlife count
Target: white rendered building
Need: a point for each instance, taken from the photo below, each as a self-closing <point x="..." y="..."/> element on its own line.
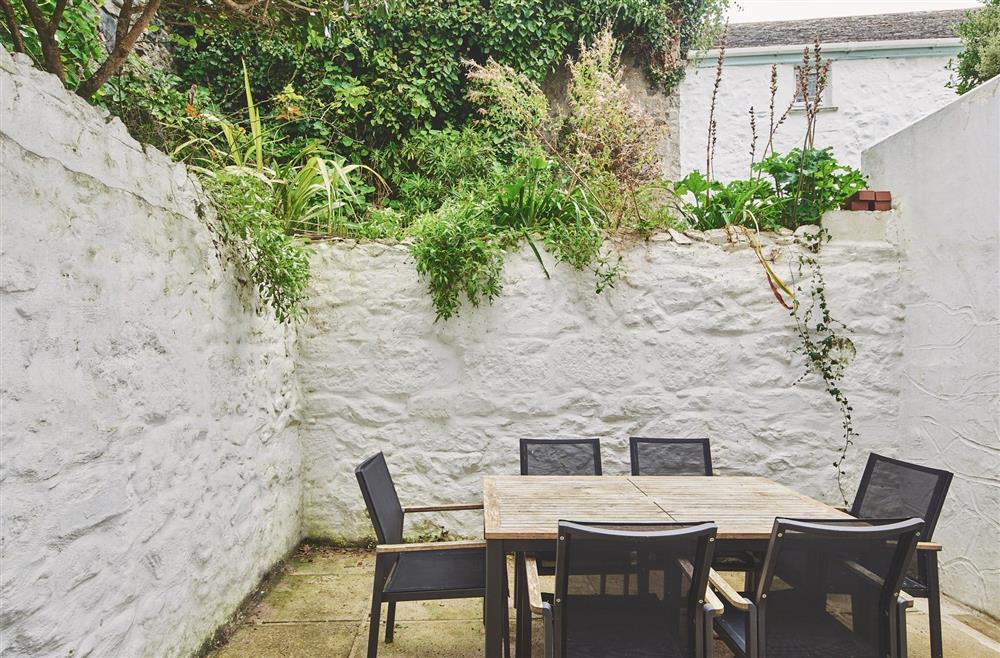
<point x="886" y="72"/>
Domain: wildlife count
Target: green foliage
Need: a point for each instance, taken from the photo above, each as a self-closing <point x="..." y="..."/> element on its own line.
<point x="826" y="349"/>
<point x="980" y="60"/>
<point x="251" y="235"/>
<point x="154" y="106"/>
<point x="808" y="183"/>
<point x="387" y="69"/>
<point x="458" y="253"/>
<point x="799" y="187"/>
<point x="432" y="165"/>
<point x="77" y="35"/>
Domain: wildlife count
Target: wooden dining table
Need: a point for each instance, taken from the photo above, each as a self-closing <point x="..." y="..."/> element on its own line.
<point x="521" y="515"/>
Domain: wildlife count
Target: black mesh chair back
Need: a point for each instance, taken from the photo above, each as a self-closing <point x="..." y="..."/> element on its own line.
<point x="894" y="489"/>
<point x="560" y="457"/>
<point x="380" y="497"/>
<point x="670" y="456"/>
<point x="829" y="588"/>
<point x="630" y="589"/>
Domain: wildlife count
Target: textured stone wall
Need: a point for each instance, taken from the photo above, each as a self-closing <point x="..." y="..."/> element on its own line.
<point x="150" y="450"/>
<point x="873" y="98"/>
<point x="689" y="343"/>
<point x="945" y="173"/>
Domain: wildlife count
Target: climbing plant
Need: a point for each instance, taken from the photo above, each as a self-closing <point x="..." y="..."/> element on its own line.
<point x="790" y="191"/>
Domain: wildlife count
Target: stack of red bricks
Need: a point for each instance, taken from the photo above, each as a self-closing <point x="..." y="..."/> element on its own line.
<point x="869" y="200"/>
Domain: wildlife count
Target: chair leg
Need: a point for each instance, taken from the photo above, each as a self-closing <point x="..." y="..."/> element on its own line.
<point x="390" y="621"/>
<point x="934" y="606"/>
<point x="375" y="612"/>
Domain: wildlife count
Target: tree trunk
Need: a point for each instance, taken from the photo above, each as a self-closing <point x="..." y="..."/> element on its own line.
<point x="124" y="42"/>
<point x="15" y="29"/>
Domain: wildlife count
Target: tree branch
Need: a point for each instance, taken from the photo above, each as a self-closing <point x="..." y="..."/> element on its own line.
<point x="15" y="29"/>
<point x="123" y="46"/>
<point x="52" y="58"/>
<point x="124" y="20"/>
<point x="57" y="16"/>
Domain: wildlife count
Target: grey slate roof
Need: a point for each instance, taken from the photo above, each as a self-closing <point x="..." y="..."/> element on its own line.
<point x="879" y="27"/>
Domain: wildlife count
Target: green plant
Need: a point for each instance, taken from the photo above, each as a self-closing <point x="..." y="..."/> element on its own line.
<point x="61" y="37"/>
<point x="809" y="182"/>
<point x="321" y="196"/>
<point x="155" y="107"/>
<point x="253" y="239"/>
<point x="610" y="142"/>
<point x="457" y="253"/>
<point x="386" y="69"/>
<point x="823" y="343"/>
<point x="74" y="47"/>
<point x="980" y="59"/>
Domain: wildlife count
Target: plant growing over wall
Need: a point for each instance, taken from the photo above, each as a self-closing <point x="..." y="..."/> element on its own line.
<point x="980" y="60"/>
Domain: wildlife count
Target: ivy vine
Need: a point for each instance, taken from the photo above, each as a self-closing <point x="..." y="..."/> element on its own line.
<point x="823" y="343"/>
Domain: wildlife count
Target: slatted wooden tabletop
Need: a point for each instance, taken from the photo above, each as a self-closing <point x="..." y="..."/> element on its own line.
<point x="530" y="507"/>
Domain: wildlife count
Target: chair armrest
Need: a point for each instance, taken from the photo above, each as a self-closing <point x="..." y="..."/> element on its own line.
<point x="711" y="600"/>
<point x="534" y="589"/>
<point x="903" y="597"/>
<point x="432" y="546"/>
<point x="442" y="508"/>
<point x="719" y="584"/>
<point x="928" y="546"/>
<point x="713" y="603"/>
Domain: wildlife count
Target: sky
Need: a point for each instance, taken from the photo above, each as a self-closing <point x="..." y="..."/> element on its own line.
<point x="743" y="11"/>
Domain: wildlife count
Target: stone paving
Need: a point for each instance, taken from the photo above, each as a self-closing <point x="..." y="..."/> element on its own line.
<point x="319" y="607"/>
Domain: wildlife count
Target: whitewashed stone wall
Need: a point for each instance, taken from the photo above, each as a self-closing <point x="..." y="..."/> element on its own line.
<point x="872" y="99"/>
<point x="150" y="451"/>
<point x="945" y="173"/>
<point x="691" y="342"/>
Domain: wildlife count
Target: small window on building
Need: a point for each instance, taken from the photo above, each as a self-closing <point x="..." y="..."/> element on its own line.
<point x="809" y="84"/>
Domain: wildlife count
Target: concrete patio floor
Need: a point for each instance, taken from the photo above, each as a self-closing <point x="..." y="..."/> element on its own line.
<point x="319" y="607"/>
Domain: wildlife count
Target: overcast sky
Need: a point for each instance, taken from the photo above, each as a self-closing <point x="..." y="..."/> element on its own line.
<point x="744" y="11"/>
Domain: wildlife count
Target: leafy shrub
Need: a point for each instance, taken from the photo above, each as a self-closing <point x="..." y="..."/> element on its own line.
<point x="800" y="186"/>
<point x="252" y="236"/>
<point x="980" y="60"/>
<point x="457" y="252"/>
<point x="434" y="165"/>
<point x="610" y="142"/>
<point x="154" y="106"/>
<point x="808" y="183"/>
<point x="387" y="69"/>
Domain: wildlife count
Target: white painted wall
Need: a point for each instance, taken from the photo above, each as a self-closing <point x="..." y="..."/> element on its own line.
<point x="689" y="343"/>
<point x="945" y="174"/>
<point x="873" y="99"/>
<point x="150" y="455"/>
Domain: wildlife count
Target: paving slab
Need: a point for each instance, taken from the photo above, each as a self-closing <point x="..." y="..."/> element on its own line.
<point x="316" y="598"/>
<point x="325" y="639"/>
<point x="322" y="561"/>
<point x="320" y="608"/>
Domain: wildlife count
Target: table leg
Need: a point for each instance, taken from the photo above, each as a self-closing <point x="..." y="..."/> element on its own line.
<point x="523" y="634"/>
<point x="934" y="605"/>
<point x="495" y="603"/>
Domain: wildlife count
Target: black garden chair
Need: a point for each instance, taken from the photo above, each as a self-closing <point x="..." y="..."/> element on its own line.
<point x="828" y="589"/>
<point x="891" y="488"/>
<point x="414" y="572"/>
<point x="560" y="457"/>
<point x="670" y="616"/>
<point x="670" y="456"/>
